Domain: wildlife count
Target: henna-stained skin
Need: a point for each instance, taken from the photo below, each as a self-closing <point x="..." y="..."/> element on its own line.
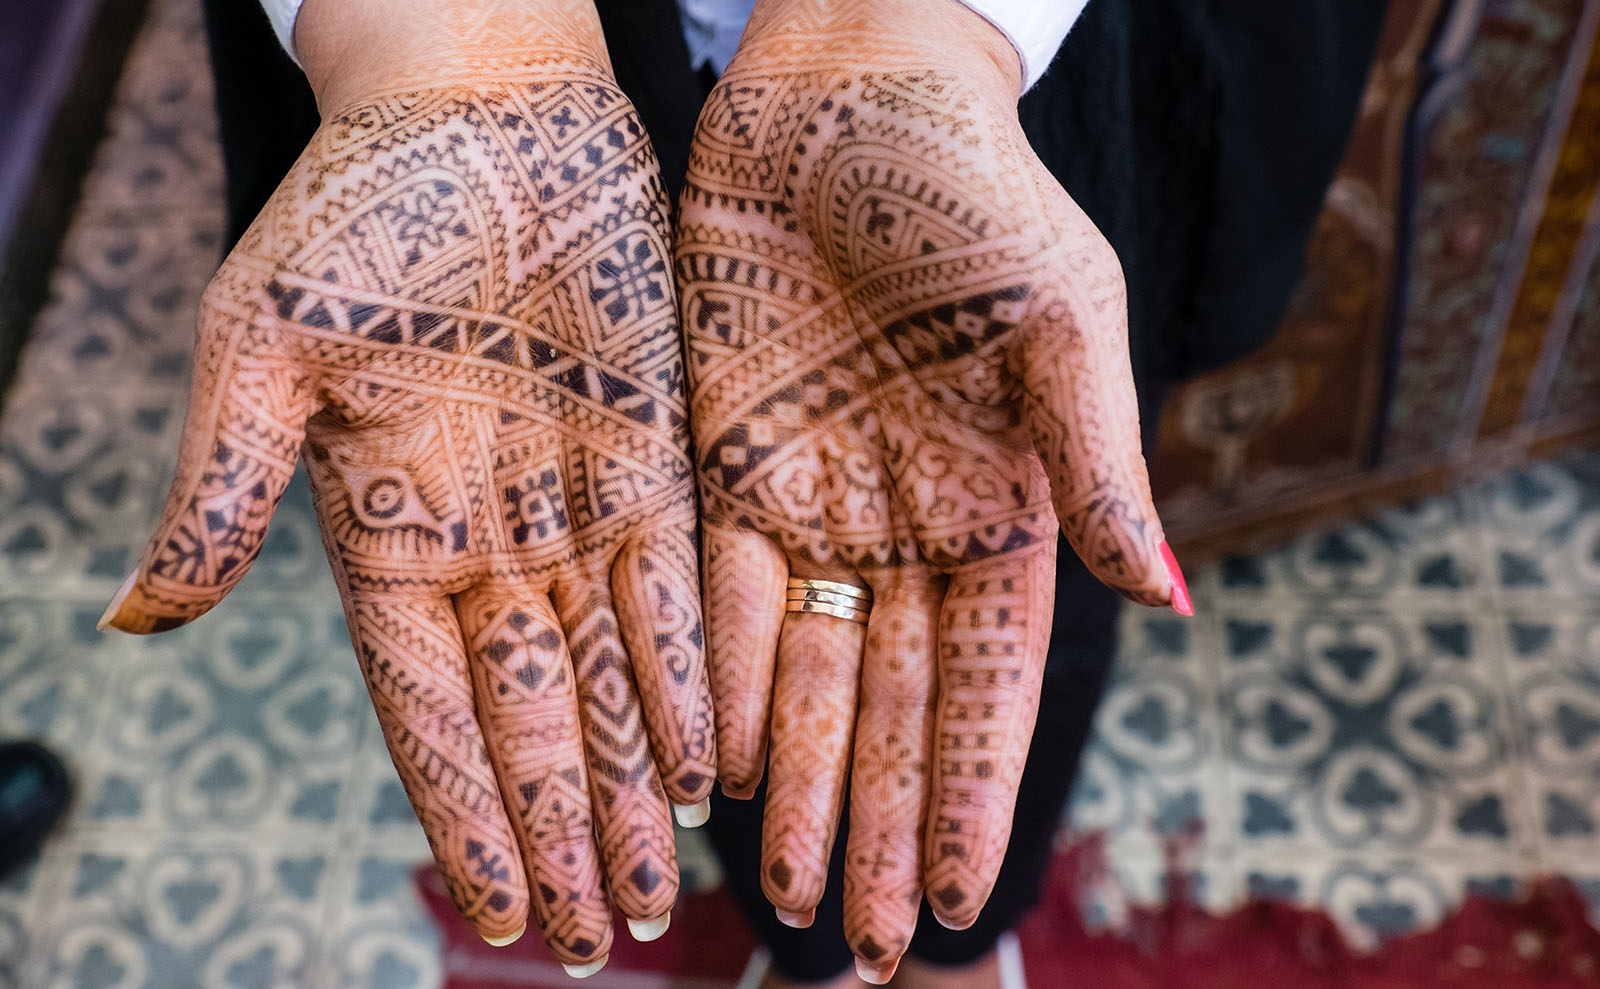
<point x="459" y="305"/>
<point x="908" y="366"/>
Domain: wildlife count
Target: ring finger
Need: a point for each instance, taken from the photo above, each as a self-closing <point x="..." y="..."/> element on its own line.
<point x="889" y="779"/>
<point x="813" y="720"/>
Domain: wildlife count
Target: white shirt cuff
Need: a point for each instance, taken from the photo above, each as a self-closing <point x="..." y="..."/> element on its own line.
<point x="1035" y="28"/>
<point x="282" y="14"/>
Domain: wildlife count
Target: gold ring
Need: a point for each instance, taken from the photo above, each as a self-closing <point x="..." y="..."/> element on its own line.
<point x="828" y="597"/>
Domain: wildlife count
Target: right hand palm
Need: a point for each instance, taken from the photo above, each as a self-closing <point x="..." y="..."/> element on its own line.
<point x="908" y="362"/>
<point x="459" y="298"/>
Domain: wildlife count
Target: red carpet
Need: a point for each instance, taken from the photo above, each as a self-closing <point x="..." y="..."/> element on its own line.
<point x="1542" y="940"/>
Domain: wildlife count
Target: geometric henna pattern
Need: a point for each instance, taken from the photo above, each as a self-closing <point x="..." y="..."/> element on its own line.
<point x="460" y="302"/>
<point x="819" y="659"/>
<point x="908" y="368"/>
<point x="890" y="775"/>
<point x="988" y="701"/>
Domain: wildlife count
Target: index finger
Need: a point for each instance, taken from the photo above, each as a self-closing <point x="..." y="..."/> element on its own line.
<point x="1083" y="413"/>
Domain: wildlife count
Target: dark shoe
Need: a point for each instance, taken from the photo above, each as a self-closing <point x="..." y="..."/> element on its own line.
<point x="34" y="794"/>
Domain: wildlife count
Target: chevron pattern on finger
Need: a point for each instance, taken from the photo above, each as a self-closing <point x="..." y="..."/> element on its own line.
<point x="632" y="824"/>
<point x="745" y="577"/>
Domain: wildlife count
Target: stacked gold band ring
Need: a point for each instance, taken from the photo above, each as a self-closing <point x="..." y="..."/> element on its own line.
<point x="829" y="597"/>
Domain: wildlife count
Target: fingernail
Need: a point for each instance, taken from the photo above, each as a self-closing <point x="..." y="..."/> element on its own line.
<point x="1180" y="587"/>
<point x="649" y="930"/>
<point x="116" y="601"/>
<point x="692" y="815"/>
<point x="501" y="942"/>
<point x="878" y="975"/>
<point x="739" y="792"/>
<point x="797" y="920"/>
<point x="584" y="971"/>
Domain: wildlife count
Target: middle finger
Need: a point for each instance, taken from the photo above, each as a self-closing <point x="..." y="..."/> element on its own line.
<point x="528" y="709"/>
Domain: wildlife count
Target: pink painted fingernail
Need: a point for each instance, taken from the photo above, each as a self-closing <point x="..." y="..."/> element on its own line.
<point x="797" y="920"/>
<point x="1180" y="587"/>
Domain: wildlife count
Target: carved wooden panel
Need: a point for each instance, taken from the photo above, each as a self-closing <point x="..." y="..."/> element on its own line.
<point x="1448" y="321"/>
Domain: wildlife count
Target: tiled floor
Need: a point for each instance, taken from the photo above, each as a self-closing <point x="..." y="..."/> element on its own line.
<point x="1373" y="719"/>
<point x="1376" y="718"/>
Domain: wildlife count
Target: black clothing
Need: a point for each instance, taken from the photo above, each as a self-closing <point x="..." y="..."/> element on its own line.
<point x="265" y="111"/>
<point x="1201" y="136"/>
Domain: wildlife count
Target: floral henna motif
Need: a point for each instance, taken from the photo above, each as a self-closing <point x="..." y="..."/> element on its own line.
<point x="908" y="368"/>
<point x="460" y="298"/>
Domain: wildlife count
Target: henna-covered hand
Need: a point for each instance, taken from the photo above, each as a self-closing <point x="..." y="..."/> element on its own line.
<point x="459" y="306"/>
<point x="908" y="364"/>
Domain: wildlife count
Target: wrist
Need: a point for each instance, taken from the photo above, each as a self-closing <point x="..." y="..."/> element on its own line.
<point x="356" y="49"/>
<point x="885" y="34"/>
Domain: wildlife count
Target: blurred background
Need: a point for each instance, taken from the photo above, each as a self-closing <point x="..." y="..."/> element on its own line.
<point x="1387" y="706"/>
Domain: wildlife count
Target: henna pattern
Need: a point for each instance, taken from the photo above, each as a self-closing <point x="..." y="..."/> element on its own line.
<point x="461" y="299"/>
<point x="908" y="367"/>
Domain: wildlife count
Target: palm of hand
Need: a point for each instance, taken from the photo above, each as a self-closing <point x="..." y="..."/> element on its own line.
<point x="905" y="343"/>
<point x="460" y="297"/>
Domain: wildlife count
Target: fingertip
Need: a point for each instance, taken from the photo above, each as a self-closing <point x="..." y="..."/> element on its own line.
<point x="501" y="942"/>
<point x="799" y="921"/>
<point x="877" y="975"/>
<point x="587" y="969"/>
<point x="692" y="815"/>
<point x="954" y="925"/>
<point x="688" y="783"/>
<point x="649" y="930"/>
<point x="108" y="620"/>
<point x="735" y="791"/>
